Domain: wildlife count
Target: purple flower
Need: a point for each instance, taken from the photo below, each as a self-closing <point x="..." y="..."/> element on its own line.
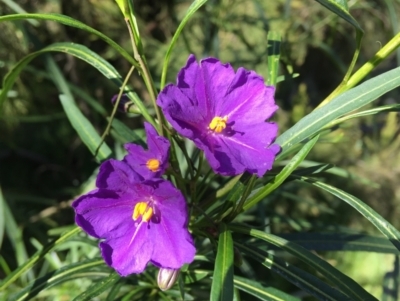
<point x="149" y="163"/>
<point x="139" y="222"/>
<point x="224" y="113"/>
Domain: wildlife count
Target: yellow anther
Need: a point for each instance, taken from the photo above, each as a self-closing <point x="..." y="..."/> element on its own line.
<point x="218" y="124"/>
<point x="153" y="165"/>
<point x="143" y="210"/>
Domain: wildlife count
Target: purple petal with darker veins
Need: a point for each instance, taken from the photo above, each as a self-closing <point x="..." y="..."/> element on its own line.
<point x="158" y="148"/>
<point x="129" y="253"/>
<point x="240" y="100"/>
<point x="116" y="175"/>
<point x="104" y="213"/>
<point x="174" y="245"/>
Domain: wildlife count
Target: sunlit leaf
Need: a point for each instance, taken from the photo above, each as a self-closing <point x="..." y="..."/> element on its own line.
<point x="263" y="293"/>
<point x="191" y="10"/>
<point x="338" y="107"/>
<point x="66" y="20"/>
<point x="341" y="281"/>
<point x="341" y="242"/>
<point x="274" y="44"/>
<point x="370" y="214"/>
<point x="296" y="276"/>
<point x="36" y="257"/>
<point x="222" y="285"/>
<point x="98" y="287"/>
<point x="67" y="273"/>
<point x="283" y="174"/>
<point x="84" y="128"/>
<point x="83" y="53"/>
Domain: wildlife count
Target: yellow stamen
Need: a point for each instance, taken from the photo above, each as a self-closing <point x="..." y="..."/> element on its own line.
<point x="153" y="165"/>
<point x="143" y="210"/>
<point x="218" y="124"/>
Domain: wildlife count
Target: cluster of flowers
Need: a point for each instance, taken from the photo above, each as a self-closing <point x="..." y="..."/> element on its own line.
<point x="142" y="217"/>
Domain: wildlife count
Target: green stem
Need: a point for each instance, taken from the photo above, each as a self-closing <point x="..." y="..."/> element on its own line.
<point x="148" y="81"/>
<point x="114" y="111"/>
<point x="361" y="73"/>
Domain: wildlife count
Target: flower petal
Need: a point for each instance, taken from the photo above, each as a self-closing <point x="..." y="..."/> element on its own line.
<point x="116" y="175"/>
<point x="158" y="148"/>
<point x="248" y="151"/>
<point x="104" y="213"/>
<point x="130" y="252"/>
<point x="248" y="99"/>
<point x="242" y="102"/>
<point x="174" y="245"/>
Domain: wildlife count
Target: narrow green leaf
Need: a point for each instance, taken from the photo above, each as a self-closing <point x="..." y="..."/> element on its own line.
<point x="83" y="53"/>
<point x="36" y="257"/>
<point x="84" y="128"/>
<point x="73" y="23"/>
<point x="340" y="8"/>
<point x="192" y="276"/>
<point x="274" y="48"/>
<point x="263" y="293"/>
<point x="222" y="285"/>
<point x="341" y="242"/>
<point x="282" y="176"/>
<point x="376" y="219"/>
<point x="14" y="233"/>
<point x="126" y="134"/>
<point x="341" y="281"/>
<point x="381" y="109"/>
<point x="343" y="104"/>
<point x="191" y="10"/>
<point x="98" y="288"/>
<point x="53" y="278"/>
<point x="296" y="276"/>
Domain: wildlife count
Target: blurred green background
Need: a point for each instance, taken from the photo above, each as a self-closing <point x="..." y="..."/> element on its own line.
<point x="44" y="164"/>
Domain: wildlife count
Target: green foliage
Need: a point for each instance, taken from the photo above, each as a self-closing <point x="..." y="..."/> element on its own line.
<point x="256" y="238"/>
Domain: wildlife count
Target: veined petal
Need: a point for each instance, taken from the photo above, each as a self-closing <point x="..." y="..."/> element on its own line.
<point x="230" y="124"/>
<point x="104" y="213"/>
<point x="174" y="245"/>
<point x="116" y="175"/>
<point x="158" y="149"/>
<point x="129" y="253"/>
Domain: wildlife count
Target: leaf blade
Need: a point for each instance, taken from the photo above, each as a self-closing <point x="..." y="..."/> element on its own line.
<point x="222" y="285"/>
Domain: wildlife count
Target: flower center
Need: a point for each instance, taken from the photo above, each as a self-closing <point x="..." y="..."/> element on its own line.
<point x="218" y="124"/>
<point x="142" y="209"/>
<point x="153" y="165"/>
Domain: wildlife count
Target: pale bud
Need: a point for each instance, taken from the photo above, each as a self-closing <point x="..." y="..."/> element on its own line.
<point x="125" y="105"/>
<point x="166" y="278"/>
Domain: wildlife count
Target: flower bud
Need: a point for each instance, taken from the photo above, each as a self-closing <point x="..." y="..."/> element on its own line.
<point x="124" y="104"/>
<point x="166" y="278"/>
